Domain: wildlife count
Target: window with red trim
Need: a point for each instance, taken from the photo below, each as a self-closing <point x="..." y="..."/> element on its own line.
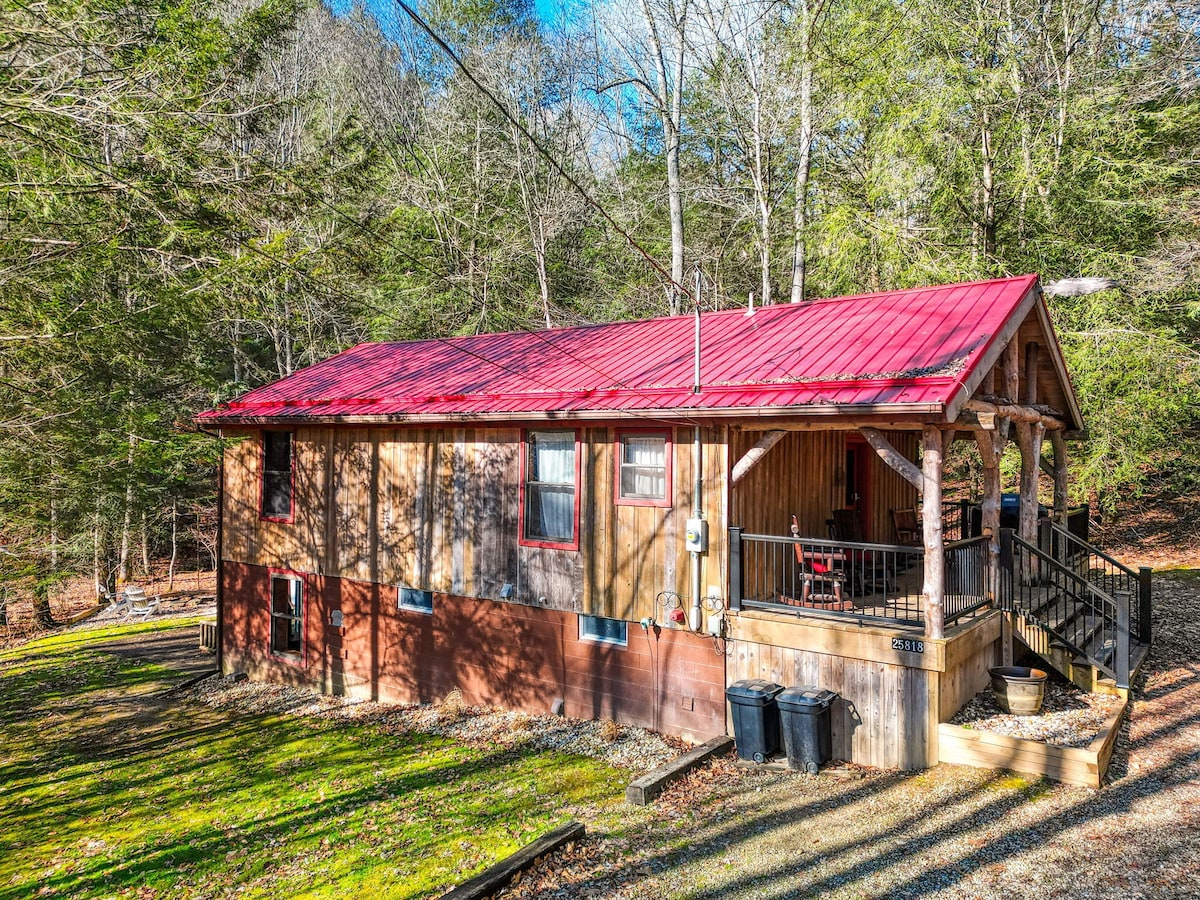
<point x="287" y="615"/>
<point x="277" y="458"/>
<point x="643" y="472"/>
<point x="550" y="509"/>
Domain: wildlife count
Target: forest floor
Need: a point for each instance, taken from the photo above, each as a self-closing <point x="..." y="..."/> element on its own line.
<point x="190" y="592"/>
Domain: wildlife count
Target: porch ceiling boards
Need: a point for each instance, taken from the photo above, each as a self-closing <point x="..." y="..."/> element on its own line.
<point x="915" y="352"/>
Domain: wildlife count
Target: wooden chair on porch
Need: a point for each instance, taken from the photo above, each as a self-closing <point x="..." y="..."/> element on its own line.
<point x="821" y="577"/>
<point x="908" y="527"/>
<point x="865" y="569"/>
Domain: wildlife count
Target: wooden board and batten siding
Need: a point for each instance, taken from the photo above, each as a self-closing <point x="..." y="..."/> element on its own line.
<point x="890" y="700"/>
<point x="438" y="509"/>
<point x="805" y="475"/>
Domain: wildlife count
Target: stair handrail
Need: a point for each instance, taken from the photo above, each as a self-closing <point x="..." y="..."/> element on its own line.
<point x="1119" y="606"/>
<point x="1092" y="549"/>
<point x="1138" y="584"/>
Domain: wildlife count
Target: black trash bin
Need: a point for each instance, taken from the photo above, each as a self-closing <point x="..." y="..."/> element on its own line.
<point x="755" y="717"/>
<point x="806" y="726"/>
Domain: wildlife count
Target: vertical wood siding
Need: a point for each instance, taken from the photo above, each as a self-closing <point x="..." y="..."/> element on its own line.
<point x="438" y="509"/>
<point x="805" y="474"/>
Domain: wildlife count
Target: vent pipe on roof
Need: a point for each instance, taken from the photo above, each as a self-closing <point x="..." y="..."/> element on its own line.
<point x="696" y="352"/>
<point x="750" y="304"/>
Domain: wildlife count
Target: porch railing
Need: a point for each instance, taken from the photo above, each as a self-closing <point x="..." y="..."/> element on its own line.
<point x="1075" y="612"/>
<point x="865" y="581"/>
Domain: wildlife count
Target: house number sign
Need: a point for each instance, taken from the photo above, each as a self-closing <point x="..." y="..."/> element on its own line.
<point x="908" y="644"/>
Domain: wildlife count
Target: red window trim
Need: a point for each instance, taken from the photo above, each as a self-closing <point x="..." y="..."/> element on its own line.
<point x="290" y="518"/>
<point x="293" y="659"/>
<point x="668" y="500"/>
<point x="533" y="542"/>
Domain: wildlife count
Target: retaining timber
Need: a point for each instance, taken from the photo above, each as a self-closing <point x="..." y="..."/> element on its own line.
<point x="1084" y="766"/>
<point x="493" y="878"/>
<point x="643" y="790"/>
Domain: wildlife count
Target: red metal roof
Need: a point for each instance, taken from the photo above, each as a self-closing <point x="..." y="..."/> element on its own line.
<point x="899" y="351"/>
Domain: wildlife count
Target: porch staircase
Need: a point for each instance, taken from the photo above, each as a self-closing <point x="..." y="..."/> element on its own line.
<point x="1083" y="612"/>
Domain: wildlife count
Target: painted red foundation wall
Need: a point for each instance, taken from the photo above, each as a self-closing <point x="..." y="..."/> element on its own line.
<point x="502" y="654"/>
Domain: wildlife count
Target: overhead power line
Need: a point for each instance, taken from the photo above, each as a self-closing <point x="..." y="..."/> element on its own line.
<point x="549" y="157"/>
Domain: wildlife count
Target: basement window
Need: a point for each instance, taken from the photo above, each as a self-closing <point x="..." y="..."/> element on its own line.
<point x="604" y="631"/>
<point x="277" y="473"/>
<point x="287" y="615"/>
<point x="416" y="600"/>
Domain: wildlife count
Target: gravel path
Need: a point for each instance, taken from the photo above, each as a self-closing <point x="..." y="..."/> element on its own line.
<point x="950" y="832"/>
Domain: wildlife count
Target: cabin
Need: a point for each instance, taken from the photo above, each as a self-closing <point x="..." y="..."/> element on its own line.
<point x="619" y="521"/>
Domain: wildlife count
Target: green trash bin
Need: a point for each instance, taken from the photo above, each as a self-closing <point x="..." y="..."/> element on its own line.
<point x="806" y="720"/>
<point x="755" y="717"/>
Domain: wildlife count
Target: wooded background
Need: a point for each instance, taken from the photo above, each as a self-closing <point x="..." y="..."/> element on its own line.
<point x="199" y="198"/>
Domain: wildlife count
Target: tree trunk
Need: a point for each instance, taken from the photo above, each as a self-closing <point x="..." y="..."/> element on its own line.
<point x="174" y="545"/>
<point x="127" y="520"/>
<point x="145" y="540"/>
<point x="41" y="603"/>
<point x="804" y="163"/>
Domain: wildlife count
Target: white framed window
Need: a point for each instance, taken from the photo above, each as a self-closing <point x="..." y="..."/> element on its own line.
<point x="643" y="473"/>
<point x="604" y="630"/>
<point x="414" y="599"/>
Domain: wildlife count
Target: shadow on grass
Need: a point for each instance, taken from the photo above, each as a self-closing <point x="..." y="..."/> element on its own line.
<point x="177" y="796"/>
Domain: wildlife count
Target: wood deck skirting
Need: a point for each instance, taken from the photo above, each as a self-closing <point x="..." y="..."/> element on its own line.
<point x="890" y="701"/>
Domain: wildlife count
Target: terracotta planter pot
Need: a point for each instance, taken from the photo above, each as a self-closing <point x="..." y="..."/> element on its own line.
<point x="1019" y="690"/>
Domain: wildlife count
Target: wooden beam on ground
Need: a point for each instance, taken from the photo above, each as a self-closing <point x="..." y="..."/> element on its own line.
<point x="643" y="790"/>
<point x="756" y="453"/>
<point x="489" y="882"/>
<point x="934" y="590"/>
<point x="893" y="457"/>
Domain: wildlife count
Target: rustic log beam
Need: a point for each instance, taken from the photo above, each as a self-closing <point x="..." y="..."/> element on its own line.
<point x="755" y="454"/>
<point x="1029" y="438"/>
<point x="1024" y="414"/>
<point x="934" y="588"/>
<point x="1058" y="442"/>
<point x="1031" y="373"/>
<point x="991" y="448"/>
<point x="1012" y="373"/>
<point x="894" y="458"/>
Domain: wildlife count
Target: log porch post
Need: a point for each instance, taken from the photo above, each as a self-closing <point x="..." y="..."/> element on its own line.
<point x="934" y="589"/>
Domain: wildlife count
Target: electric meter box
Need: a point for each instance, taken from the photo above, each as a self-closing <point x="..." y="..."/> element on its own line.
<point x="696" y="538"/>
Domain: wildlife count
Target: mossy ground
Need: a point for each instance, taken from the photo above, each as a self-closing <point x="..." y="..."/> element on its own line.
<point x="111" y="789"/>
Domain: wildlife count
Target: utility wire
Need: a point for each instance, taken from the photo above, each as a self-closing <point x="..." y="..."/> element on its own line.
<point x="570" y="179"/>
<point x="315" y="197"/>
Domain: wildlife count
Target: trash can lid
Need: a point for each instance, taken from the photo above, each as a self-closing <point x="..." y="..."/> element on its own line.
<point x="756" y="690"/>
<point x="806" y="696"/>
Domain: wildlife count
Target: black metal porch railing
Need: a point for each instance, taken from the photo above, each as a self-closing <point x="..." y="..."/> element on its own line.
<point x="876" y="582"/>
<point x="968" y="578"/>
<point x="1078" y="613"/>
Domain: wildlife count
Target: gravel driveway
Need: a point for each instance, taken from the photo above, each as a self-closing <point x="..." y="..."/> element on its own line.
<point x="947" y="832"/>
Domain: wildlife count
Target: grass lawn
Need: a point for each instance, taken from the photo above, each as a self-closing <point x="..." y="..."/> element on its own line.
<point x="110" y="789"/>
